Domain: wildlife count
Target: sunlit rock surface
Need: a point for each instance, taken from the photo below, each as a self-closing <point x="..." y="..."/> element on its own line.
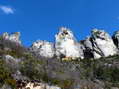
<point x="34" y="85"/>
<point x="99" y="44"/>
<point x="15" y="37"/>
<point x="43" y="48"/>
<point x="102" y="44"/>
<point x="66" y="44"/>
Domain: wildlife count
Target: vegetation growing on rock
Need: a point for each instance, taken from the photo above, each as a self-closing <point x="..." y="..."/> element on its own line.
<point x="20" y="63"/>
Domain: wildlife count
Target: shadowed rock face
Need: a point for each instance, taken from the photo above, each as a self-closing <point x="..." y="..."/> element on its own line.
<point x="15" y="37"/>
<point x="102" y="44"/>
<point x="43" y="48"/>
<point x="116" y="38"/>
<point x="67" y="45"/>
<point x="88" y="51"/>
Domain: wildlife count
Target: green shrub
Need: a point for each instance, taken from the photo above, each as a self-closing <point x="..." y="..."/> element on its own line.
<point x="33" y="68"/>
<point x="5" y="75"/>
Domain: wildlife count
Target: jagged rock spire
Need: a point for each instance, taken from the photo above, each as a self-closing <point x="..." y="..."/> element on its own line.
<point x="67" y="45"/>
<point x="99" y="44"/>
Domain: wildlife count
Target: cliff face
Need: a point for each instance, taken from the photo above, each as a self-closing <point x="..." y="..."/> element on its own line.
<point x="99" y="44"/>
<point x="67" y="45"/>
<point x="92" y="63"/>
<point x="43" y="49"/>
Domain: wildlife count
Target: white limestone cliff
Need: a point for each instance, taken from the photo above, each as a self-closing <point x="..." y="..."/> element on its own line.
<point x="43" y="48"/>
<point x="99" y="44"/>
<point x="102" y="44"/>
<point x="67" y="45"/>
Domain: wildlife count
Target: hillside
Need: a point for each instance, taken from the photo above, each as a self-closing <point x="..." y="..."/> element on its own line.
<point x="92" y="63"/>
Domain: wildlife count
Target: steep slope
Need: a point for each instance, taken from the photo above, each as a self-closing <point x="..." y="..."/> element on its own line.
<point x="41" y="66"/>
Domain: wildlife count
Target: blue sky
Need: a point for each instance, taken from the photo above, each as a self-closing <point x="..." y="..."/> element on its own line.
<point x="40" y="19"/>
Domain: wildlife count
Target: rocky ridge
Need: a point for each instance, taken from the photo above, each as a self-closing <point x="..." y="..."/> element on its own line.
<point x="43" y="62"/>
<point x="99" y="44"/>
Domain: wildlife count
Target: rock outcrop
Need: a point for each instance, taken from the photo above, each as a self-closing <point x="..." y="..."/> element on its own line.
<point x="34" y="85"/>
<point x="88" y="51"/>
<point x="116" y="38"/>
<point x="99" y="44"/>
<point x="20" y="69"/>
<point x="102" y="44"/>
<point x="15" y="37"/>
<point x="43" y="49"/>
<point x="66" y="44"/>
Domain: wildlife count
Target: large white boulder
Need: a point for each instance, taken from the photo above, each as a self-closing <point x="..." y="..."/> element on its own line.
<point x="43" y="49"/>
<point x="67" y="45"/>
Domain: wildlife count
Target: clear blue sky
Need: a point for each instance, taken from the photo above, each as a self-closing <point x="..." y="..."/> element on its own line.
<point x="40" y="19"/>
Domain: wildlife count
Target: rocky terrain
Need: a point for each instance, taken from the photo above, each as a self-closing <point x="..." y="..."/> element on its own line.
<point x="67" y="63"/>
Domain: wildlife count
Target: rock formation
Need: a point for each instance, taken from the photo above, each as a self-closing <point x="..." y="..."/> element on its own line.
<point x="116" y="38"/>
<point x="66" y="44"/>
<point x="99" y="44"/>
<point x="88" y="51"/>
<point x="21" y="69"/>
<point x="15" y="37"/>
<point x="43" y="48"/>
<point x="34" y="85"/>
<point x="102" y="44"/>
